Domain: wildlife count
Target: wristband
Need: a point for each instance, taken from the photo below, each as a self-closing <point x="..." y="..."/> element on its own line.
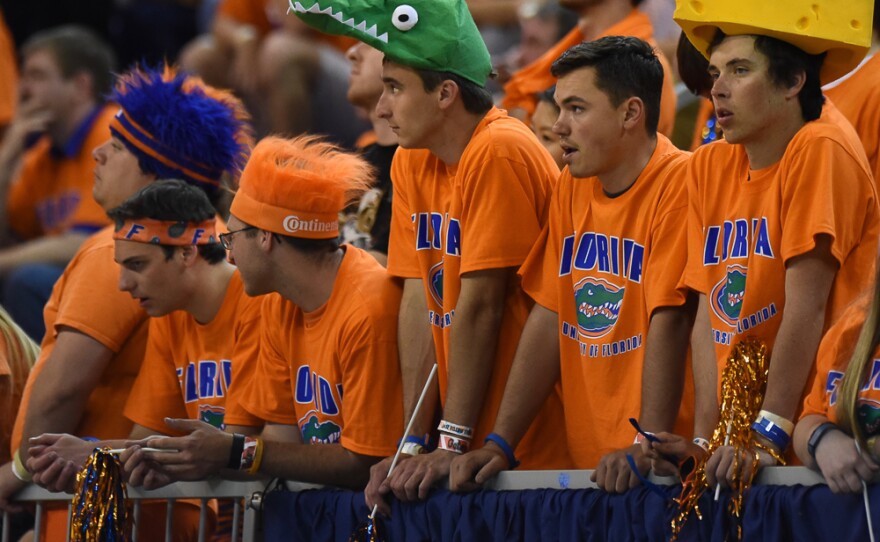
<point x="455" y="429"/>
<point x="257" y="455"/>
<point x="248" y="457"/>
<point x="234" y="462"/>
<point x="454" y="444"/>
<point x="702" y="443"/>
<point x="818" y="434"/>
<point x="772" y="432"/>
<point x="785" y="424"/>
<point x="19" y="470"/>
<point x="640" y="438"/>
<point x="412" y="448"/>
<point x="505" y="447"/>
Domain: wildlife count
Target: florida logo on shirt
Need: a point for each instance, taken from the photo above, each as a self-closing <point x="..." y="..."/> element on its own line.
<point x="598" y="306"/>
<point x="213" y="415"/>
<point x="869" y="416"/>
<point x="435" y="276"/>
<point x="316" y="432"/>
<point x="726" y="298"/>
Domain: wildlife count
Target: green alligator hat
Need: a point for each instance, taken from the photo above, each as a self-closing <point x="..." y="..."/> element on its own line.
<point x="437" y="35"/>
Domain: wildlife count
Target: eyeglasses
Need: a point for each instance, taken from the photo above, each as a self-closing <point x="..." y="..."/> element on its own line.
<point x="226" y="238"/>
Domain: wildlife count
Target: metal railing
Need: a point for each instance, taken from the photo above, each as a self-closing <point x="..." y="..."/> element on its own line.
<point x="247" y="496"/>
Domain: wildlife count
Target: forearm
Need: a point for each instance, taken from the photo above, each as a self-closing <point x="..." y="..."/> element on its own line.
<point x="534" y="373"/>
<point x="802" y="433"/>
<point x="664" y="367"/>
<point x="417" y="355"/>
<point x="56" y="249"/>
<point x="705" y="367"/>
<point x="473" y="343"/>
<point x="329" y="464"/>
<point x="790" y="362"/>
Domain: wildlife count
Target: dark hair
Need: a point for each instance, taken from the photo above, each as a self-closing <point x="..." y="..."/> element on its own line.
<point x="314" y="248"/>
<point x="77" y="50"/>
<point x="693" y="68"/>
<point x="785" y="63"/>
<point x="171" y="199"/>
<point x="625" y="67"/>
<point x="548" y="96"/>
<point x="564" y="18"/>
<point x="476" y="99"/>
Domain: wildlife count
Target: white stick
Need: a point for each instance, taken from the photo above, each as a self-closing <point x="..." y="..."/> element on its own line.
<point x="412" y="419"/>
<point x="160" y="450"/>
<point x="865" y="498"/>
<point x="726" y="442"/>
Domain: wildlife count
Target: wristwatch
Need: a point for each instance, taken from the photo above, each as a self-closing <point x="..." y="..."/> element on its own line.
<point x="818" y="434"/>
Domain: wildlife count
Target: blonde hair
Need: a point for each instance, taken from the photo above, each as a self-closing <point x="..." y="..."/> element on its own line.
<point x="21" y="353"/>
<point x="847" y="415"/>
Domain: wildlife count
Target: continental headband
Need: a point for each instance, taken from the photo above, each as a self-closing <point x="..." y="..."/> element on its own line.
<point x="125" y="128"/>
<point x="166" y="232"/>
<point x="304" y="224"/>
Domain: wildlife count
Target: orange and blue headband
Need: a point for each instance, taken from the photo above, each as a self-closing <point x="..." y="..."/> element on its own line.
<point x="166" y="232"/>
<point x="125" y="128"/>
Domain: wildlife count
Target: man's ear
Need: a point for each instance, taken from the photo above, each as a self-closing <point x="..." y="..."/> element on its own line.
<point x="633" y="111"/>
<point x="189" y="254"/>
<point x="800" y="80"/>
<point x="447" y="93"/>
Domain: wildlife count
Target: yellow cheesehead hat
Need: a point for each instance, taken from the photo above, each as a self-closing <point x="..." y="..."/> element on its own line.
<point x="840" y="27"/>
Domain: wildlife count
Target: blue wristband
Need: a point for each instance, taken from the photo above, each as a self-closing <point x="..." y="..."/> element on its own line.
<point x="415" y="440"/>
<point x="505" y="447"/>
<point x="772" y="432"/>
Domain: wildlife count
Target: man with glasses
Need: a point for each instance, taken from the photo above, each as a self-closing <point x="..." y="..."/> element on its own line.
<point x="327" y="379"/>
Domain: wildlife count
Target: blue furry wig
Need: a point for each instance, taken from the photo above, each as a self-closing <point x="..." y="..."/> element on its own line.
<point x="179" y="127"/>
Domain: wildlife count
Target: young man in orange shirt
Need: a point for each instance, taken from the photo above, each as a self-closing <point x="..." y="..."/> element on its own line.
<point x="97" y="334"/>
<point x="611" y="323"/>
<point x="329" y="341"/>
<point x="471" y="189"/>
<point x="783" y="220"/>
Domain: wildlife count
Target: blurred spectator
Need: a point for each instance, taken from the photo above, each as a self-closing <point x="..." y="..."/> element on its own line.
<point x="292" y="78"/>
<point x="542" y="23"/>
<point x="543" y="119"/>
<point x="367" y="224"/>
<point x="46" y="167"/>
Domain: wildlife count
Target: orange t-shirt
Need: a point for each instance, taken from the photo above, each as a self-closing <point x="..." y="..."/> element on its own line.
<point x="483" y="213"/>
<point x="604" y="265"/>
<point x="744" y="225"/>
<point x="857" y="96"/>
<point x="86" y="298"/>
<point x="334" y="371"/>
<point x="13" y="374"/>
<point x="53" y="195"/>
<point x="535" y="78"/>
<point x="8" y="75"/>
<point x="832" y="361"/>
<point x="189" y="367"/>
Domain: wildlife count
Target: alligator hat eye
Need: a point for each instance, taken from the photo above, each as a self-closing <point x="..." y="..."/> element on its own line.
<point x="404" y="17"/>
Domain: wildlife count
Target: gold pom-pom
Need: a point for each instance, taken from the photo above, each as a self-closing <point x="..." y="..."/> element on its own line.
<point x="99" y="508"/>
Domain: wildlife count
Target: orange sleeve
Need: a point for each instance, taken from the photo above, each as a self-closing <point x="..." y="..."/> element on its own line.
<point x="245" y="356"/>
<point x="402" y="260"/>
<point x="498" y="243"/>
<point x="156" y="392"/>
<point x="668" y="254"/>
<point x="814" y="202"/>
<point x="269" y="395"/>
<point x="694" y="272"/>
<point x="370" y="371"/>
<point x="93" y="304"/>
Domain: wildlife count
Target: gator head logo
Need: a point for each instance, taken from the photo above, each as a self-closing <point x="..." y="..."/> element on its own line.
<point x="598" y="306"/>
<point x="212" y="415"/>
<point x="435" y="277"/>
<point x="315" y="432"/>
<point x="726" y="298"/>
<point x="868" y="413"/>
